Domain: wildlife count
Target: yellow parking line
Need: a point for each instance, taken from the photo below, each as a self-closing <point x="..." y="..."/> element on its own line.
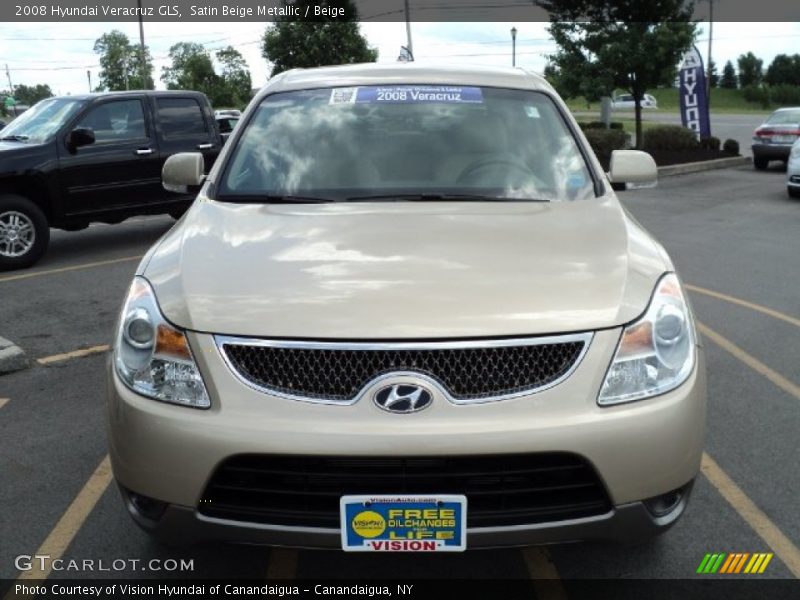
<point x="70" y="523"/>
<point x="282" y="564"/>
<point x="779" y="380"/>
<point x="754" y="516"/>
<point x="74" y="354"/>
<point x="751" y="305"/>
<point x="3" y="402"/>
<point x="90" y="265"/>
<point x="546" y="581"/>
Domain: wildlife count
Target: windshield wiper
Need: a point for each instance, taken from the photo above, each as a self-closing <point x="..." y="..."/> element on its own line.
<point x="14" y="138"/>
<point x="439" y="198"/>
<point x="274" y="199"/>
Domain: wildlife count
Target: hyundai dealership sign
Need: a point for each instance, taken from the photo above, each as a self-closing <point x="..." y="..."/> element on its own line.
<point x="692" y="92"/>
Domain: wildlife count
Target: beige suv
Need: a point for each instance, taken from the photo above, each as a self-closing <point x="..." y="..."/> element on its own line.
<point x="406" y="312"/>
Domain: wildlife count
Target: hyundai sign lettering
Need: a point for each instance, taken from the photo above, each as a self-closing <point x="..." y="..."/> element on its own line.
<point x="693" y="98"/>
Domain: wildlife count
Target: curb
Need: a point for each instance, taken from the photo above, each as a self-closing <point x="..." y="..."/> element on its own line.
<point x="705" y="165"/>
<point x="12" y="358"/>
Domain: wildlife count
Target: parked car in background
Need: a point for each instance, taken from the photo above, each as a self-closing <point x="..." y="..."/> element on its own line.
<point x="625" y="101"/>
<point x="793" y="171"/>
<point x="418" y="318"/>
<point x="228" y="112"/>
<point x="226" y="123"/>
<point x="773" y="139"/>
<point x="72" y="160"/>
<point x="2" y="124"/>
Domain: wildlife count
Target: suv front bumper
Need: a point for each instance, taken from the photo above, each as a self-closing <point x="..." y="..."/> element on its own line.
<point x="639" y="450"/>
<point x="627" y="523"/>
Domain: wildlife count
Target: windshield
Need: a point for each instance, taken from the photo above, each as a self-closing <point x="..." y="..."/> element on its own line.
<point x="41" y="120"/>
<point x="406" y="142"/>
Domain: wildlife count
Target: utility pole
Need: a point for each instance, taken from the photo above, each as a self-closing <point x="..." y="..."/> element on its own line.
<point x="142" y="64"/>
<point x="408" y="30"/>
<point x="710" y="36"/>
<point x="513" y="46"/>
<point x="89" y="77"/>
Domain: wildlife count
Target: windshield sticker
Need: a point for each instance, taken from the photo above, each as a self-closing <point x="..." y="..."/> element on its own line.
<point x="343" y="95"/>
<point x="532" y="112"/>
<point x="407" y="94"/>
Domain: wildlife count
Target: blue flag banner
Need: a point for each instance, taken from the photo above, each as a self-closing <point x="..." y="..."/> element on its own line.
<point x="692" y="93"/>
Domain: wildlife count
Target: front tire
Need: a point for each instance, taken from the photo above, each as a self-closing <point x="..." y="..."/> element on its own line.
<point x="793" y="192"/>
<point x="760" y="162"/>
<point x="24" y="232"/>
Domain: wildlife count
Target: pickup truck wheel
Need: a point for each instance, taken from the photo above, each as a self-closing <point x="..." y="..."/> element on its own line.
<point x="24" y="232"/>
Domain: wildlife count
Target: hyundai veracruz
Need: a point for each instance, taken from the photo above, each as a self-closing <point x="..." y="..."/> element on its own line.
<point x="406" y="312"/>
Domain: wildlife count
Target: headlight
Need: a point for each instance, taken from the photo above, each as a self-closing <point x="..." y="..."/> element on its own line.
<point x="795" y="151"/>
<point x="152" y="357"/>
<point x="656" y="353"/>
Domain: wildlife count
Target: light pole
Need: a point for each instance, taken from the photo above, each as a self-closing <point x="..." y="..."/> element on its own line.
<point x="710" y="36"/>
<point x="513" y="46"/>
<point x="409" y="46"/>
<point x="142" y="65"/>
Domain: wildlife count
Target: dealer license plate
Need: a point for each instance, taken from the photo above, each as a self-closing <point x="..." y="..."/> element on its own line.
<point x="386" y="523"/>
<point x="783" y="139"/>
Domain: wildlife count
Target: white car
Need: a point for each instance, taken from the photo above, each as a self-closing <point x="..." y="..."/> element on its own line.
<point x="626" y="101"/>
<point x="793" y="171"/>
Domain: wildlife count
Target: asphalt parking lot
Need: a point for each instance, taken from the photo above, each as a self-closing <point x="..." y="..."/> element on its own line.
<point x="734" y="237"/>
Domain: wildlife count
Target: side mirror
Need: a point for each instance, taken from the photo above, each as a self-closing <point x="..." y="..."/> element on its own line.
<point x="633" y="167"/>
<point x="183" y="170"/>
<point x="80" y="136"/>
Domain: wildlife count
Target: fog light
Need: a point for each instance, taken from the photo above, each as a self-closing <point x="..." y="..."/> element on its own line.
<point x="150" y="508"/>
<point x="665" y="503"/>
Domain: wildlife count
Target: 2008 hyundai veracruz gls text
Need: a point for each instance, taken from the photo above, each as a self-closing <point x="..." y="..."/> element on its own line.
<point x="406" y="312"/>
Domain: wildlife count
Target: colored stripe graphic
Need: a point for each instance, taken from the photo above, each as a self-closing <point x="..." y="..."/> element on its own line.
<point x="767" y="558"/>
<point x="755" y="561"/>
<point x="702" y="567"/>
<point x="727" y="564"/>
<point x="734" y="563"/>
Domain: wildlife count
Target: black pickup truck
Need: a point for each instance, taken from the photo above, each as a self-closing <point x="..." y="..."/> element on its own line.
<point x="72" y="160"/>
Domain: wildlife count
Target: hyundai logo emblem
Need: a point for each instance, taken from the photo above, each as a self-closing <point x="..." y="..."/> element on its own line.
<point x="403" y="398"/>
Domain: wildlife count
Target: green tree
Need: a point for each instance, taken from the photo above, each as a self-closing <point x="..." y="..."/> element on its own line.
<point x="31" y="94"/>
<point x="191" y="69"/>
<point x="293" y="42"/>
<point x="728" y="79"/>
<point x="625" y="44"/>
<point x="713" y="76"/>
<point x="235" y="83"/>
<point x="750" y="70"/>
<point x="784" y="69"/>
<point x="120" y="63"/>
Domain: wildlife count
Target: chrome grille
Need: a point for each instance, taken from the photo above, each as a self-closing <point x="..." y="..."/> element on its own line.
<point x="466" y="371"/>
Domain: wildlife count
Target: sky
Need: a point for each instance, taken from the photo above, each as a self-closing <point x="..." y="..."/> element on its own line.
<point x="60" y="54"/>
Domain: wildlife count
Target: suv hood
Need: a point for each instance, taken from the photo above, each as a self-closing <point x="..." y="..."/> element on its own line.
<point x="404" y="270"/>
